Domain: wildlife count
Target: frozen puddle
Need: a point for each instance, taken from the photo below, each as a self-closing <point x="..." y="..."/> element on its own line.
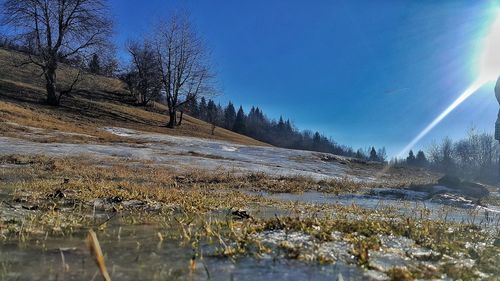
<point x="394" y="252"/>
<point x="449" y="207"/>
<point x="135" y="253"/>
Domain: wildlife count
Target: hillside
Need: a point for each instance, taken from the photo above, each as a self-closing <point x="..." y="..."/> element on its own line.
<point x="97" y="102"/>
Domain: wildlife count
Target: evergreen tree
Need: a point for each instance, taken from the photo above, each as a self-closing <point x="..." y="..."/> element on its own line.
<point x="421" y="160"/>
<point x="202" y="109"/>
<point x="288" y="127"/>
<point x="211" y="112"/>
<point x="316" y="140"/>
<point x="373" y="155"/>
<point x="281" y="126"/>
<point x="95" y="65"/>
<point x="240" y="121"/>
<point x="410" y="160"/>
<point x="360" y="154"/>
<point x="229" y="116"/>
<point x="220" y="116"/>
<point x="254" y="128"/>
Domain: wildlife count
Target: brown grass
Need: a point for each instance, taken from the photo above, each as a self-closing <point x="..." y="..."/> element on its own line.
<point x="58" y="193"/>
<point x="97" y="102"/>
<point x="141" y="180"/>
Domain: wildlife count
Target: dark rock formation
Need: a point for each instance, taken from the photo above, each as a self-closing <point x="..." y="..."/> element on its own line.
<point x="466" y="188"/>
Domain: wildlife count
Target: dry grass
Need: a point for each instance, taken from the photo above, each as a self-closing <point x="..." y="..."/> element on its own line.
<point x="96" y="252"/>
<point x="97" y="102"/>
<point x="41" y="175"/>
<point x="59" y="194"/>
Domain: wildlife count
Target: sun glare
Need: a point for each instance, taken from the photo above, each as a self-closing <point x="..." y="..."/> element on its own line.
<point x="489" y="71"/>
<point x="490" y="58"/>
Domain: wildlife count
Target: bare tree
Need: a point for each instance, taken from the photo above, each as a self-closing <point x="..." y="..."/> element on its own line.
<point x="56" y="30"/>
<point x="184" y="66"/>
<point x="144" y="80"/>
<point x="472" y="158"/>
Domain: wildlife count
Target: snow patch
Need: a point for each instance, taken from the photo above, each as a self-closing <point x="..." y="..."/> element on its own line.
<point x="122" y="132"/>
<point x="229" y="148"/>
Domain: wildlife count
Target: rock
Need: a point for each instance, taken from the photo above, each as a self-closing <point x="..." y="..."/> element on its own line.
<point x="30" y="208"/>
<point x="496" y="243"/>
<point x="474" y="189"/>
<point x="240" y="214"/>
<point x="114" y="199"/>
<point x="58" y="194"/>
<point x="180" y="178"/>
<point x="133" y="204"/>
<point x="470" y="189"/>
<point x="449" y="181"/>
<point x="383" y="261"/>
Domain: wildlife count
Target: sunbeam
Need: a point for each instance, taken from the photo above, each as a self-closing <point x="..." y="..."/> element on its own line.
<point x="489" y="71"/>
<point x="466" y="94"/>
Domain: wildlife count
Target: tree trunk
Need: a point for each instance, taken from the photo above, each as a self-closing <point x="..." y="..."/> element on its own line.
<point x="173" y="118"/>
<point x="50" y="77"/>
<point x="180" y="118"/>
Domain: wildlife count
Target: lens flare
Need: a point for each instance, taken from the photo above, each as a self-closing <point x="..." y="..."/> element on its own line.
<point x="467" y="93"/>
<point x="489" y="70"/>
<point x="490" y="57"/>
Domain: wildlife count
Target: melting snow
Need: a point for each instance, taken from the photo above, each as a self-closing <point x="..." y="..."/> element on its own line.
<point x="178" y="151"/>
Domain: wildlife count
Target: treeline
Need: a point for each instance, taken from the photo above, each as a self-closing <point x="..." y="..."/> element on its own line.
<point x="281" y="133"/>
<point x="419" y="160"/>
<point x="474" y="157"/>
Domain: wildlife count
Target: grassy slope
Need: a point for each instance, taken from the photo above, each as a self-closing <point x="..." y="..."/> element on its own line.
<point x="98" y="102"/>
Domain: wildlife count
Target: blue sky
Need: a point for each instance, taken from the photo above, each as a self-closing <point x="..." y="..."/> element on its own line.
<point x="366" y="72"/>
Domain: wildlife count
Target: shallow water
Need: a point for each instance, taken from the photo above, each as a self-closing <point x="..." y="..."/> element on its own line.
<point x="136" y="253"/>
<point x="445" y="207"/>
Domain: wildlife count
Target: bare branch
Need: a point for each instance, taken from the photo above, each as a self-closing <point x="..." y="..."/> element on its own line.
<point x="183" y="63"/>
<point x="57" y="30"/>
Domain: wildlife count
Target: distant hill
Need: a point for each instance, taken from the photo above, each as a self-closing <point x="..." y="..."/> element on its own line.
<point x="96" y="103"/>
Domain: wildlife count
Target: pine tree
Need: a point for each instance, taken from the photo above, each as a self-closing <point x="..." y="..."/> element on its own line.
<point x="421" y="160"/>
<point x="281" y="126"/>
<point x="220" y="115"/>
<point x="288" y="127"/>
<point x="360" y="154"/>
<point x="240" y="122"/>
<point x="211" y="112"/>
<point x="373" y="154"/>
<point x="316" y="140"/>
<point x="229" y="116"/>
<point x="202" y="109"/>
<point x="410" y="160"/>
